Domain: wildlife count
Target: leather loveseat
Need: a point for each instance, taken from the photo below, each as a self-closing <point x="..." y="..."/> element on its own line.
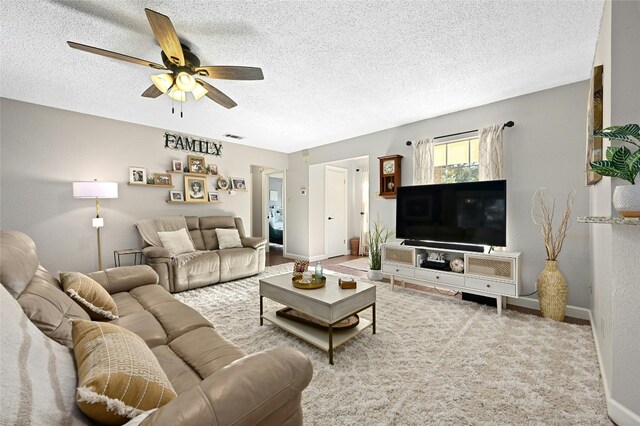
<point x="215" y="381"/>
<point x="212" y="265"/>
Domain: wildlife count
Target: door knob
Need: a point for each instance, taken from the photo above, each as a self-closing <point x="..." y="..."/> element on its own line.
<point x="330" y="218"/>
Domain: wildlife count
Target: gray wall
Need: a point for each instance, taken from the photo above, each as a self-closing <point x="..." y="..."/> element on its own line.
<point x="546" y="148"/>
<point x="45" y="149"/>
<point x="615" y="271"/>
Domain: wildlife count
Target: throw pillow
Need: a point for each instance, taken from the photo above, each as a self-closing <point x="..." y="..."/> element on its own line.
<point x="118" y="376"/>
<point x="90" y="295"/>
<point x="228" y="238"/>
<point x="177" y="242"/>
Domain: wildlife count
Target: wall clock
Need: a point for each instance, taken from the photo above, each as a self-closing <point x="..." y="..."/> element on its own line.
<point x="389" y="175"/>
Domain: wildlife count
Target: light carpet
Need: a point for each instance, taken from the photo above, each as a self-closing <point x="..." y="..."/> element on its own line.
<point x="361" y="264"/>
<point x="434" y="359"/>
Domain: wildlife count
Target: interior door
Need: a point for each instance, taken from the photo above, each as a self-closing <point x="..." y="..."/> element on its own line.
<point x="335" y="190"/>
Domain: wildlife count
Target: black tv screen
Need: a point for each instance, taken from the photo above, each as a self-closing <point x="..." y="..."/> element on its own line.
<point x="469" y="213"/>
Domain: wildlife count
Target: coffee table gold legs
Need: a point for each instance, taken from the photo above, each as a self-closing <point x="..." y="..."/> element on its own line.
<point x="261" y="309"/>
<point x="373" y="310"/>
<point x="331" y="344"/>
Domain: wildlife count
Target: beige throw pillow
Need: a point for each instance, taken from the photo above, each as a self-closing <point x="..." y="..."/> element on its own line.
<point x="177" y="242"/>
<point x="90" y="295"/>
<point x="228" y="238"/>
<point x="118" y="375"/>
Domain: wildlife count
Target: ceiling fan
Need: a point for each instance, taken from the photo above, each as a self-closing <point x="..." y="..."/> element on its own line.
<point x="182" y="65"/>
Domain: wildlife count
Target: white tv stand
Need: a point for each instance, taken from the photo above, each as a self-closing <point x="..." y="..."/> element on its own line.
<point x="494" y="274"/>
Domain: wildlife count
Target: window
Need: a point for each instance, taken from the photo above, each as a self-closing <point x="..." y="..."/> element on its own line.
<point x="456" y="161"/>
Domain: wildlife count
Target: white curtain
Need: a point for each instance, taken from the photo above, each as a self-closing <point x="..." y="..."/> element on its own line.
<point x="364" y="210"/>
<point x="491" y="157"/>
<point x="423" y="161"/>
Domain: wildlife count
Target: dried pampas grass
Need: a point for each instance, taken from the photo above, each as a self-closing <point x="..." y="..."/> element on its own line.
<point x="544" y="218"/>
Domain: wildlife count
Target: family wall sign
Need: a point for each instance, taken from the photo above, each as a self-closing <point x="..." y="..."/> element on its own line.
<point x="198" y="146"/>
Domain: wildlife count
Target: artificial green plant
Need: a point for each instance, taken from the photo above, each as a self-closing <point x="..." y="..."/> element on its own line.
<point x="377" y="236"/>
<point x="620" y="162"/>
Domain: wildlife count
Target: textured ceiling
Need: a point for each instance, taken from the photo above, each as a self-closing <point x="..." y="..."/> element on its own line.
<point x="333" y="69"/>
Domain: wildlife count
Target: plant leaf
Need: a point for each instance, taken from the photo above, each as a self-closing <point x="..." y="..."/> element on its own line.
<point x="622" y="133"/>
<point x="611" y="151"/>
<point x="619" y="158"/>
<point x="606" y="168"/>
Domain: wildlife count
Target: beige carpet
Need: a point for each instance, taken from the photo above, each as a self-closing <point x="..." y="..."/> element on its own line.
<point x="361" y="264"/>
<point x="434" y="360"/>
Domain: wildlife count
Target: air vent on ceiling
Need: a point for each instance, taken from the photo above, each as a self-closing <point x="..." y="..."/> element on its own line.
<point x="229" y="135"/>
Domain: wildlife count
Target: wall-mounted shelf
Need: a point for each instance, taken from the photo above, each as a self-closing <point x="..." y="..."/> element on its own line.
<point x="149" y="184"/>
<point x="609" y="220"/>
<point x="192" y="174"/>
<point x="193" y="202"/>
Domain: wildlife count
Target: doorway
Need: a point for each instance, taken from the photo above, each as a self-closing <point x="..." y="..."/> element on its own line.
<point x="335" y="207"/>
<point x="268" y="207"/>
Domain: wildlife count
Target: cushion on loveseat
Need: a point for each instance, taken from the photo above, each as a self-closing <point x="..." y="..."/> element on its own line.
<point x="118" y="375"/>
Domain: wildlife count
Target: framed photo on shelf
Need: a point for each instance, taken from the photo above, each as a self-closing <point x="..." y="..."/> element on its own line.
<point x="138" y="175"/>
<point x="162" y="179"/>
<point x="238" y="184"/>
<point x="212" y="169"/>
<point x="195" y="189"/>
<point x="176" y="196"/>
<point x="176" y="165"/>
<point x="222" y="183"/>
<point x="214" y="197"/>
<point x="196" y="164"/>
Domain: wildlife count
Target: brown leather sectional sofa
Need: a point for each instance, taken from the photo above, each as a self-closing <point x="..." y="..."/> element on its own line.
<point x="212" y="267"/>
<point x="216" y="382"/>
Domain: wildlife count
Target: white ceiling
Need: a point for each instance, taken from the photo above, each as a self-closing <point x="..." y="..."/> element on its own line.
<point x="333" y="69"/>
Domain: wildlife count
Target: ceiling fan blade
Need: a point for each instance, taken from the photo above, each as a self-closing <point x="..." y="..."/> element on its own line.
<point x="217" y="96"/>
<point x="152" y="92"/>
<point x="114" y="55"/>
<point x="166" y="36"/>
<point x="231" y="72"/>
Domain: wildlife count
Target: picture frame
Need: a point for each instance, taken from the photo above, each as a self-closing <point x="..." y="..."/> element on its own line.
<point x="238" y="184"/>
<point x="195" y="189"/>
<point x="176" y="166"/>
<point x="212" y="169"/>
<point x="222" y="183"/>
<point x="214" y="197"/>
<point x="273" y="196"/>
<point x="595" y="114"/>
<point x="176" y="196"/>
<point x="138" y="175"/>
<point x="196" y="164"/>
<point x="162" y="179"/>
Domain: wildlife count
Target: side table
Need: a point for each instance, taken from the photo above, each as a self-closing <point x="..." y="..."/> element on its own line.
<point x="126" y="252"/>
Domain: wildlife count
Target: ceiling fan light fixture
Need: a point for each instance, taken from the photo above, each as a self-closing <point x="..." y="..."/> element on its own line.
<point x="199" y="91"/>
<point x="185" y="82"/>
<point x="178" y="95"/>
<point x="162" y="81"/>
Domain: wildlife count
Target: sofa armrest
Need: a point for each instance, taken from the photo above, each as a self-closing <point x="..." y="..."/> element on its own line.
<point x="125" y="278"/>
<point x="152" y="252"/>
<point x="253" y="242"/>
<point x="261" y="388"/>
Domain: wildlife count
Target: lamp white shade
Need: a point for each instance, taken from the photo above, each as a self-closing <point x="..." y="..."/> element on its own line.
<point x="95" y="189"/>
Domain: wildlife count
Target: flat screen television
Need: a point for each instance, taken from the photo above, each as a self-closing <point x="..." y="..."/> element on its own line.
<point x="467" y="213"/>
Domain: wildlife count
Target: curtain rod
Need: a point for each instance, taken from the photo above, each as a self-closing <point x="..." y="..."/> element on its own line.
<point x="507" y="124"/>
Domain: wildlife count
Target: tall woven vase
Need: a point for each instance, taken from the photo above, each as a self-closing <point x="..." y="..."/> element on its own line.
<point x="552" y="291"/>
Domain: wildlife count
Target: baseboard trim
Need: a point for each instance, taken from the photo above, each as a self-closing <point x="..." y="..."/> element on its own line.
<point x="620" y="414"/>
<point x="572" y="311"/>
<point x="617" y="412"/>
<point x="300" y="257"/>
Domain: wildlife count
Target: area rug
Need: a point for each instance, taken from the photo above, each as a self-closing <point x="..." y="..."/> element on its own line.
<point x="434" y="359"/>
<point x="361" y="264"/>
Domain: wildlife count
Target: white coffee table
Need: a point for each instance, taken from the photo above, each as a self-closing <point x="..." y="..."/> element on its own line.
<point x="329" y="304"/>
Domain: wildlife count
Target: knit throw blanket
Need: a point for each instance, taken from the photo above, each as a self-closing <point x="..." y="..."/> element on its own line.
<point x="149" y="229"/>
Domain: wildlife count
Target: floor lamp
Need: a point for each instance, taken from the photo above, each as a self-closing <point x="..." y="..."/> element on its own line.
<point x="97" y="190"/>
